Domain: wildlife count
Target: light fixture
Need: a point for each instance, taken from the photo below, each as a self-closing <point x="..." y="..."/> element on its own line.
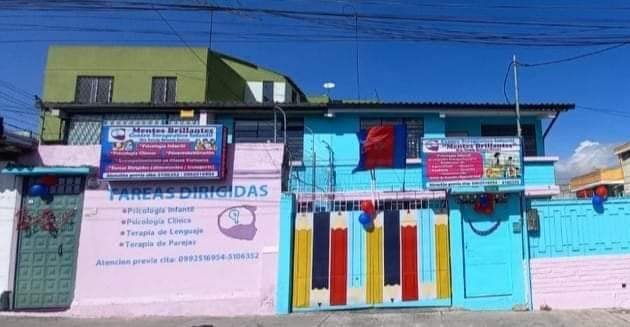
<point x="442" y="115"/>
<point x="329" y="114"/>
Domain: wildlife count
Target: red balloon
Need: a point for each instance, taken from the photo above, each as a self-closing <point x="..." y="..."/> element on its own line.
<point x="50" y="180"/>
<point x="602" y="191"/>
<point x="368" y="207"/>
<point x="488" y="210"/>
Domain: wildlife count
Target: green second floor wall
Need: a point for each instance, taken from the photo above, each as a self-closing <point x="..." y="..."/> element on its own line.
<point x="132" y="70"/>
<point x="201" y="75"/>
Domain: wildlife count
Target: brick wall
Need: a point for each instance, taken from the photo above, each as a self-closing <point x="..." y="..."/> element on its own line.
<point x="581" y="282"/>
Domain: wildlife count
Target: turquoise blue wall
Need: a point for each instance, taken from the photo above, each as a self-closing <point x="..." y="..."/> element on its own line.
<point x="487" y="270"/>
<point x="573" y="228"/>
<point x="340" y="133"/>
<point x="540" y="173"/>
<point x="285" y="254"/>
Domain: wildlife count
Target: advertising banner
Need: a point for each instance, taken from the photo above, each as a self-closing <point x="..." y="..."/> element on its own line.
<point x="159" y="152"/>
<point x="471" y="161"/>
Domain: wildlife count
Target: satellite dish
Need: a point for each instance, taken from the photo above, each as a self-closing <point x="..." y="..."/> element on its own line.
<point x="329" y="85"/>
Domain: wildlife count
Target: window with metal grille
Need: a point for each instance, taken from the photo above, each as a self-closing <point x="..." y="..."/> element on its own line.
<point x="267" y="94"/>
<point x="528" y="131"/>
<point x="261" y="131"/>
<point x="415" y="131"/>
<point x="163" y="89"/>
<point x="94" y="89"/>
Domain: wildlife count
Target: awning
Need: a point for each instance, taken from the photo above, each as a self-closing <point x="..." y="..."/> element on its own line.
<point x="37" y="170"/>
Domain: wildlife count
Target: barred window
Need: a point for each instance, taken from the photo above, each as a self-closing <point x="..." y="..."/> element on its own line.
<point x="415" y="131"/>
<point x="261" y="131"/>
<point x="528" y="131"/>
<point x="163" y="89"/>
<point x="94" y="89"/>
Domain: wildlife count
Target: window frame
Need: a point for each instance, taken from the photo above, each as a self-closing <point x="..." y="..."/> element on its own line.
<point x="95" y="85"/>
<point x="262" y="96"/>
<point x="293" y="125"/>
<point x="528" y="130"/>
<point x="165" y="93"/>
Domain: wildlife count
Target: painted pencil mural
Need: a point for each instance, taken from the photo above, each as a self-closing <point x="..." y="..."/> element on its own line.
<point x="403" y="260"/>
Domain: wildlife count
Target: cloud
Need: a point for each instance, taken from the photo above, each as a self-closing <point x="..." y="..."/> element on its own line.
<point x="587" y="156"/>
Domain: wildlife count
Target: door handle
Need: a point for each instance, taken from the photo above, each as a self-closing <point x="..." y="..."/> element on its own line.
<point x="60" y="250"/>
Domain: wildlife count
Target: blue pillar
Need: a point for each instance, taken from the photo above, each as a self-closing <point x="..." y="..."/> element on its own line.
<point x="285" y="254"/>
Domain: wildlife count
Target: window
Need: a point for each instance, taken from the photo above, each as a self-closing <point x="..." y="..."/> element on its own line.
<point x="261" y="131"/>
<point x="94" y="89"/>
<point x="267" y="95"/>
<point x="415" y="131"/>
<point x="163" y="89"/>
<point x="528" y="131"/>
<point x="294" y="97"/>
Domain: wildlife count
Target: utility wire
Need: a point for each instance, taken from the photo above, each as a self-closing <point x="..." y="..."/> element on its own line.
<point x="204" y="63"/>
<point x="584" y="55"/>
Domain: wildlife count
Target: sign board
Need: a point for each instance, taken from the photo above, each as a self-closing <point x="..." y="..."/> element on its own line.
<point x="471" y="161"/>
<point x="158" y="152"/>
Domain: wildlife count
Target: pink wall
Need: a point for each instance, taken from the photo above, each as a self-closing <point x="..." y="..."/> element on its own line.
<point x="582" y="282"/>
<point x="137" y="258"/>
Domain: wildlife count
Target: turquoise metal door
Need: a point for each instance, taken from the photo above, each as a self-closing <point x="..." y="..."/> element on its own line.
<point x="47" y="246"/>
<point x="493" y="253"/>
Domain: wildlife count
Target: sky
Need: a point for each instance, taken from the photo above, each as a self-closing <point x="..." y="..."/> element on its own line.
<point x="407" y="70"/>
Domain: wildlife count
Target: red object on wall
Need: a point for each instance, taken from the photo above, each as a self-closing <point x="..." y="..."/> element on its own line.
<point x="50" y="180"/>
<point x="581" y="194"/>
<point x="602" y="191"/>
<point x="368" y="207"/>
<point x="338" y="266"/>
<point x="409" y="245"/>
<point x="378" y="147"/>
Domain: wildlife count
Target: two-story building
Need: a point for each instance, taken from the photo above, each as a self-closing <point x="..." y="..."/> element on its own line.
<point x="294" y="243"/>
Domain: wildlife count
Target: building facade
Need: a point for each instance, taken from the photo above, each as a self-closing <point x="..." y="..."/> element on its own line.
<point x="307" y="251"/>
<point x="623" y="152"/>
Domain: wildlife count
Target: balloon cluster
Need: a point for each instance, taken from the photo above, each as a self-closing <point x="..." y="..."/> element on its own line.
<point x="485" y="204"/>
<point x="599" y="197"/>
<point x="366" y="218"/>
<point x="42" y="188"/>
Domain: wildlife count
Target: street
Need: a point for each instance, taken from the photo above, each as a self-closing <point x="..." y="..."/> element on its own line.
<point x="350" y="318"/>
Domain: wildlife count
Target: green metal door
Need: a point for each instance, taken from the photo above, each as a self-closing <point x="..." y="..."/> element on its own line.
<point x="47" y="245"/>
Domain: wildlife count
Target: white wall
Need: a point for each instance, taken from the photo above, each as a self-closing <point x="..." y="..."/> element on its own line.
<point x="9" y="198"/>
<point x="254" y="92"/>
<point x="279" y="90"/>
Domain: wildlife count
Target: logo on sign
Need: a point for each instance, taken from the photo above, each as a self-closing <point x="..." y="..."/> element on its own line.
<point x="238" y="222"/>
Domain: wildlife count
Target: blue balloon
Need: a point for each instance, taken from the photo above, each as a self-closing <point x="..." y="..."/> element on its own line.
<point x="38" y="190"/>
<point x="365" y="218"/>
<point x="483" y="200"/>
<point x="598" y="201"/>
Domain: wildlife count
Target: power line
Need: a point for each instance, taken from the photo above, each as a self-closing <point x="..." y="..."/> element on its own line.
<point x="584" y="55"/>
<point x="611" y="112"/>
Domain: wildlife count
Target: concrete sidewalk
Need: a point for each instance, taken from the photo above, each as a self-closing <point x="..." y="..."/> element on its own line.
<point x="411" y="317"/>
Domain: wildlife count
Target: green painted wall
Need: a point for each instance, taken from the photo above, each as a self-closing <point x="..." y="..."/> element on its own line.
<point x="204" y="76"/>
<point x="132" y="69"/>
<point x="224" y="83"/>
<point x="250" y="71"/>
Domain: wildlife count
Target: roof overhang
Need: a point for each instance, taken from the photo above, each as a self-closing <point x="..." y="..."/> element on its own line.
<point x="334" y="107"/>
<point x="14" y="144"/>
<point x="22" y="170"/>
